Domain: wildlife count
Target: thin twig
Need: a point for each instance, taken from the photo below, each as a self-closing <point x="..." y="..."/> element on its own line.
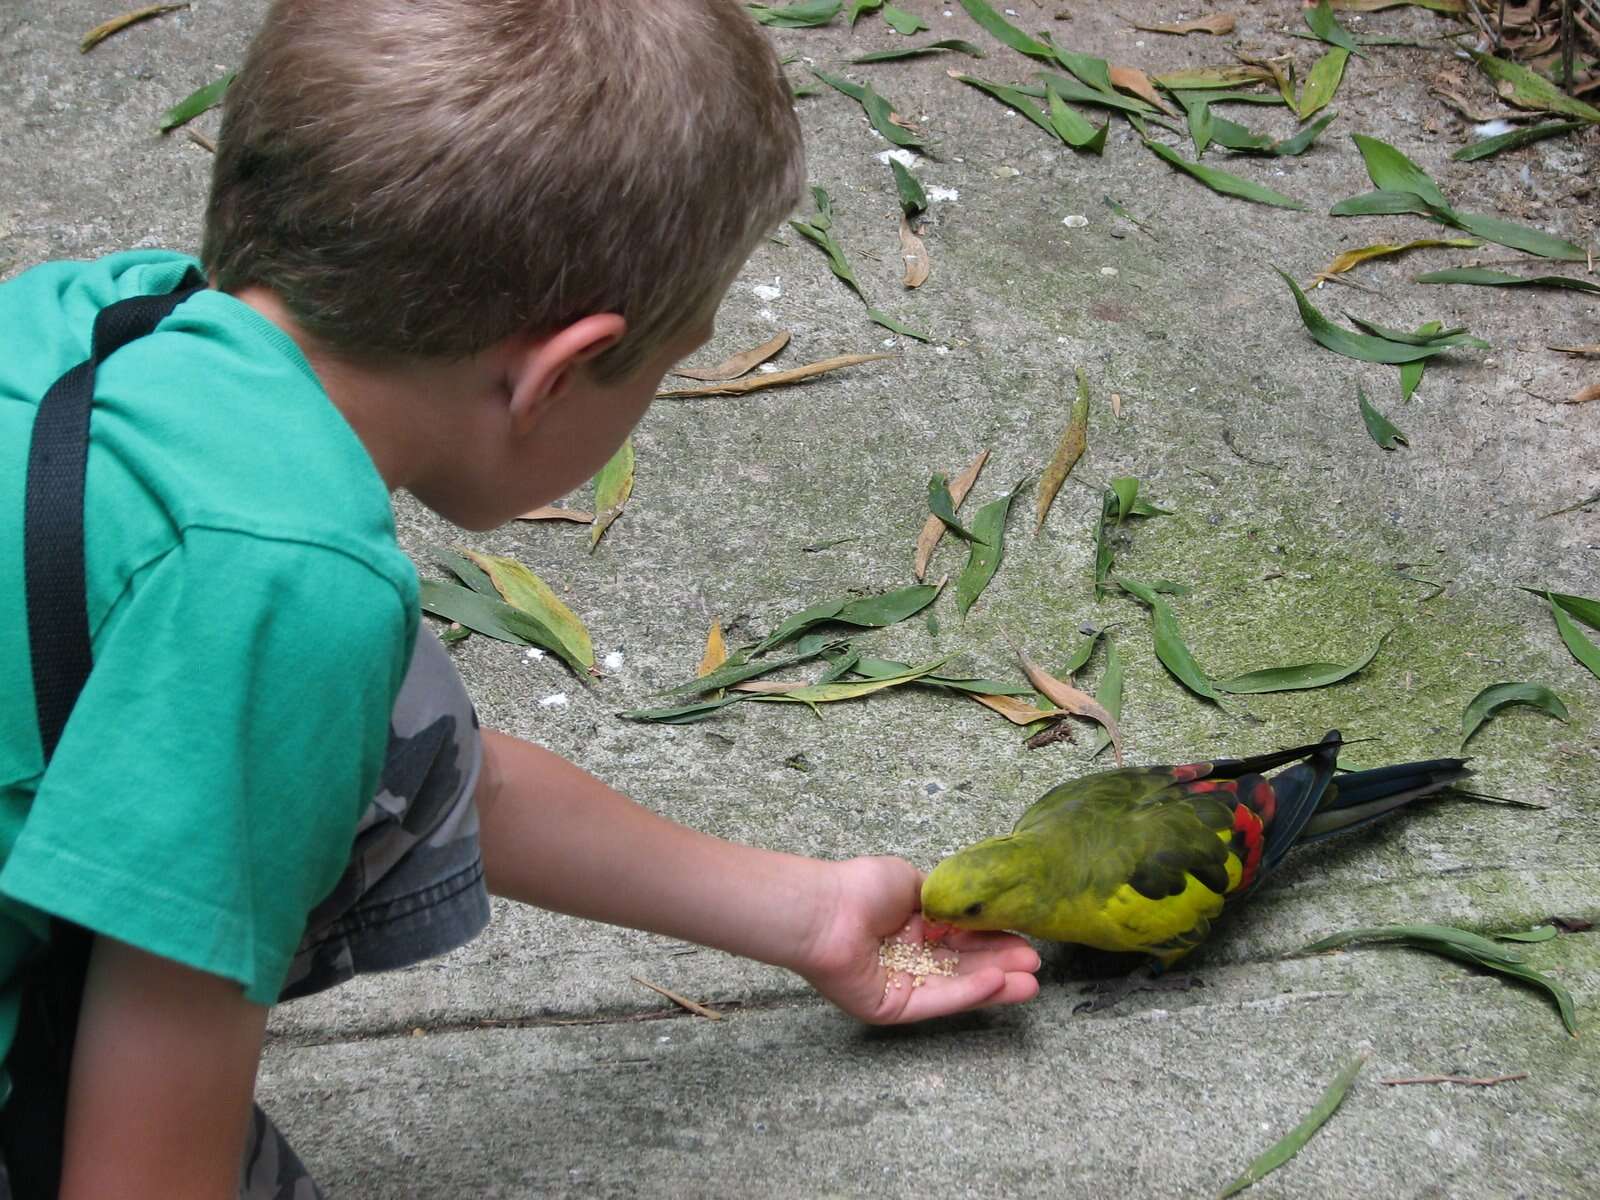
<point x="699" y="1010"/>
<point x="1468" y="1080"/>
<point x="200" y="139"/>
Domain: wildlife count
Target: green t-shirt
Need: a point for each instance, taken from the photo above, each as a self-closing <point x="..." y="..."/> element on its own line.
<point x="252" y="619"/>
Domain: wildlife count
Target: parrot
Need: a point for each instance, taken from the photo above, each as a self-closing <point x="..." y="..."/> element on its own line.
<point x="1144" y="859"/>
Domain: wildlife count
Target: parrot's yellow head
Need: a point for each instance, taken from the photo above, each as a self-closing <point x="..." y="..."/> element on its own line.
<point x="992" y="885"/>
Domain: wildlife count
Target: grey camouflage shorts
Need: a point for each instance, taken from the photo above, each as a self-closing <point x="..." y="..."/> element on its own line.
<point x="413" y="888"/>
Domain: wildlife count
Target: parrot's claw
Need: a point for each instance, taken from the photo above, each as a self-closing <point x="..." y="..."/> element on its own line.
<point x="1108" y="993"/>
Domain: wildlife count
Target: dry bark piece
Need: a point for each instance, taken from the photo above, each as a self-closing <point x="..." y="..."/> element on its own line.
<point x="1217" y="23"/>
<point x="755" y="383"/>
<point x="1018" y="712"/>
<point x="1074" y="440"/>
<point x="699" y="1010"/>
<point x="550" y="512"/>
<point x="933" y="527"/>
<point x="1131" y="79"/>
<point x="739" y="364"/>
<point x="1072" y="700"/>
<point x="915" y="254"/>
<point x="716" y="651"/>
<point x="117" y="24"/>
<point x="1584" y="395"/>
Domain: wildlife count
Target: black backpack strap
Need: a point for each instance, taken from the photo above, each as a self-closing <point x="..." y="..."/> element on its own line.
<point x="32" y="1122"/>
<point x="58" y="615"/>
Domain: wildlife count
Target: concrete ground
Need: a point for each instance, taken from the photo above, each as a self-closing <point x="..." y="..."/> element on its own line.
<point x="529" y="1063"/>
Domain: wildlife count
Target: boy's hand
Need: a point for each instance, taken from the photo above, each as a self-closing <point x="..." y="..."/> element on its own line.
<point x="878" y="898"/>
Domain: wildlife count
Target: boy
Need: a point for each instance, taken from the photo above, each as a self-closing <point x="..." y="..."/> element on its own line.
<point x="452" y="246"/>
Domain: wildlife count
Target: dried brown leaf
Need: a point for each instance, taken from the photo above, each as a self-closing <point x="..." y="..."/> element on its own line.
<point x="1585" y="394"/>
<point x="915" y="254"/>
<point x="1131" y="79"/>
<point x="1590" y="350"/>
<point x="716" y="652"/>
<point x="1073" y="442"/>
<point x="117" y="24"/>
<point x="1116" y="405"/>
<point x="1218" y="23"/>
<point x="1072" y="700"/>
<point x="739" y="364"/>
<point x="1018" y="712"/>
<point x="549" y="512"/>
<point x="755" y="383"/>
<point x="933" y="527"/>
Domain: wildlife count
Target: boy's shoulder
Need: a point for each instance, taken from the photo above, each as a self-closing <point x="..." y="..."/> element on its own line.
<point x="215" y="421"/>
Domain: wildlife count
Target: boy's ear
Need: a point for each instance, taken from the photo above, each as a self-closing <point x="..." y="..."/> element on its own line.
<point x="541" y="369"/>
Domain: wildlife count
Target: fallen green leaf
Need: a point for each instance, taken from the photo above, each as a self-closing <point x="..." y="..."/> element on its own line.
<point x="1073" y="128"/>
<point x="1327" y="1104"/>
<point x="1484" y="277"/>
<point x="1322" y="82"/>
<point x="1585" y="609"/>
<point x="1078" y="92"/>
<point x="522" y="589"/>
<point x="1290" y="679"/>
<point x="1004" y="31"/>
<point x="1223" y="181"/>
<point x="1585" y="651"/>
<point x="879" y="668"/>
<point x="464" y="569"/>
<point x="1424" y="335"/>
<point x="1383" y="431"/>
<point x="1381" y="204"/>
<point x="818" y="230"/>
<point x="1212" y="77"/>
<point x="738" y="668"/>
<point x="942" y="505"/>
<point x="1527" y="89"/>
<point x="1171" y="649"/>
<point x="1464" y="945"/>
<point x="1109" y="694"/>
<point x="913" y="199"/>
<point x="1017" y="98"/>
<point x="612" y="487"/>
<point x="869" y="612"/>
<point x="1539" y="933"/>
<point x="684" y="714"/>
<point x="857" y="7"/>
<point x="939" y="47"/>
<point x="1486" y="147"/>
<point x="1321" y="21"/>
<point x="1520" y="237"/>
<point x="987" y="548"/>
<point x="1392" y="171"/>
<point x="879" y="111"/>
<point x="1360" y="346"/>
<point x="804" y="14"/>
<point x="825" y="693"/>
<point x="1086" y="68"/>
<point x="195" y="103"/>
<point x="903" y="22"/>
<point x="1303" y="141"/>
<point x="1497" y="696"/>
<point x="1411" y="372"/>
<point x="496" y="619"/>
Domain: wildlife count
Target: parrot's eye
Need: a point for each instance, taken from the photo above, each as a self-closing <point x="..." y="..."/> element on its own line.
<point x="974" y="909"/>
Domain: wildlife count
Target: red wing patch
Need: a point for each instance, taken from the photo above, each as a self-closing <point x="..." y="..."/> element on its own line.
<point x="1190" y="771"/>
<point x="1203" y="786"/>
<point x="1264" y="800"/>
<point x="1247" y="829"/>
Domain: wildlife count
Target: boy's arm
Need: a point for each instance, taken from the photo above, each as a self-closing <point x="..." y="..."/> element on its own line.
<point x="556" y="837"/>
<point x="162" y="1076"/>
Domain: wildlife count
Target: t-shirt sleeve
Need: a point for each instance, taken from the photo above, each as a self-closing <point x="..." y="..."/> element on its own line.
<point x="207" y="787"/>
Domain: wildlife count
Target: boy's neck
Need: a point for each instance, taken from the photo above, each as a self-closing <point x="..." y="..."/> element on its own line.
<point x="399" y="412"/>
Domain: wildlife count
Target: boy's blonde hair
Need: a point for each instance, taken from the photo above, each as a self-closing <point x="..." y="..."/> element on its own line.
<point x="427" y="177"/>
